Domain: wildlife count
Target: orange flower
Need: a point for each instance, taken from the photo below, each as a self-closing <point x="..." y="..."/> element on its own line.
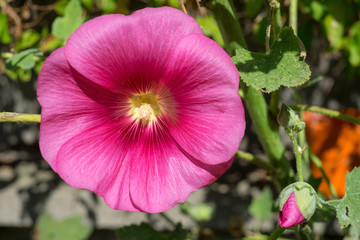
<point x="337" y="144"/>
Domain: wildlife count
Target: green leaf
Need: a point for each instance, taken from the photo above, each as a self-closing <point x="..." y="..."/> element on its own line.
<point x="24" y="60"/>
<point x="156" y="3"/>
<point x="324" y="213"/>
<point x="354" y="232"/>
<point x="200" y="212"/>
<point x="261" y="207"/>
<point x="48" y="228"/>
<point x="27" y="40"/>
<point x="259" y="237"/>
<point x="5" y="36"/>
<point x="348" y="210"/>
<point x="178" y="234"/>
<point x="38" y="66"/>
<point x="253" y="7"/>
<point x="211" y="29"/>
<point x="87" y="3"/>
<point x="60" y="7"/>
<point x="311" y="82"/>
<point x="353" y="44"/>
<point x="145" y="232"/>
<point x="282" y="66"/>
<point x="142" y="232"/>
<point x="317" y="10"/>
<point x="334" y="31"/>
<point x="107" y="6"/>
<point x="63" y="27"/>
<point x="24" y="75"/>
<point x="174" y="4"/>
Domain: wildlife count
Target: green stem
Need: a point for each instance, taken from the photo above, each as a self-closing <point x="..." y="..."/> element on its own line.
<point x="293" y="15"/>
<point x="297" y="154"/>
<point x="276" y="23"/>
<point x="327" y="112"/>
<point x="19" y="117"/>
<point x="317" y="163"/>
<point x="274" y="103"/>
<point x="260" y="162"/>
<point x="268" y="31"/>
<point x="266" y="127"/>
<point x="229" y="26"/>
<point x="276" y="233"/>
<point x="334" y="202"/>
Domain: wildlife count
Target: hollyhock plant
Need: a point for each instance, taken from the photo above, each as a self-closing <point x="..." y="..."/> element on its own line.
<point x="297" y="204"/>
<point x="140" y="109"/>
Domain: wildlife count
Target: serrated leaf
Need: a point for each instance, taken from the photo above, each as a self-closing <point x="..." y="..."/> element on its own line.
<point x="63" y="27"/>
<point x="23" y="59"/>
<point x="354" y="232"/>
<point x="72" y="228"/>
<point x="283" y="66"/>
<point x="261" y="207"/>
<point x="348" y="210"/>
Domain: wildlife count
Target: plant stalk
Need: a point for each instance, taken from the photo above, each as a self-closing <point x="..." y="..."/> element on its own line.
<point x="19" y="117"/>
<point x="327" y="112"/>
<point x="260" y="162"/>
<point x="297" y="155"/>
<point x="266" y="127"/>
<point x="293" y="15"/>
<point x="276" y="233"/>
<point x="317" y="162"/>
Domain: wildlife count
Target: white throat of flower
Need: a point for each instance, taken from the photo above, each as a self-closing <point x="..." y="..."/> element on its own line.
<point x="144" y="112"/>
<point x="144" y="107"/>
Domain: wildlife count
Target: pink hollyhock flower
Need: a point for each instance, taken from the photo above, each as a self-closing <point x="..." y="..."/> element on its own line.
<point x="140" y="109"/>
<point x="290" y="215"/>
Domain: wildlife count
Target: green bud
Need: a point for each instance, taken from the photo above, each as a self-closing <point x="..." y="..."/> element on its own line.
<point x="288" y="119"/>
<point x="306" y="198"/>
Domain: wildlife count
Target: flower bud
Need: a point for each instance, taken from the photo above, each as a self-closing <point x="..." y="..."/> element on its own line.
<point x="297" y="204"/>
<point x="288" y="119"/>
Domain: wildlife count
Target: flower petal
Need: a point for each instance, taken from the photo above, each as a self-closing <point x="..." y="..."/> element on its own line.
<point x="66" y="109"/>
<point x="99" y="160"/>
<point x="162" y="176"/>
<point x="204" y="82"/>
<point x="114" y="50"/>
<point x="290" y="214"/>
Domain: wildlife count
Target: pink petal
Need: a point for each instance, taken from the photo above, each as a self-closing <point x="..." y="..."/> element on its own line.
<point x="66" y="109"/>
<point x="203" y="81"/>
<point x="114" y="50"/>
<point x="99" y="160"/>
<point x="290" y="214"/>
<point x="162" y="175"/>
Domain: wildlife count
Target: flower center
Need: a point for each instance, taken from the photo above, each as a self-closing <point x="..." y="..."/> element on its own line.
<point x="145" y="107"/>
